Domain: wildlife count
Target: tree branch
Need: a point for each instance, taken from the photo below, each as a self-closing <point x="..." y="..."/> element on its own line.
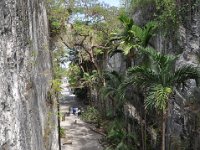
<point x="65" y="43"/>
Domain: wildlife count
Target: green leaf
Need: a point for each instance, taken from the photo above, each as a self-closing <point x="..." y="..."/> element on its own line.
<point x="157" y="97"/>
<point x="127" y="49"/>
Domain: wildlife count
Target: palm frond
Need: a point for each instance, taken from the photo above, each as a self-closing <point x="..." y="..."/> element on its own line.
<point x="164" y="61"/>
<point x="113" y="78"/>
<point x="127" y="48"/>
<point x="148" y="50"/>
<point x="107" y="91"/>
<point x="142" y="76"/>
<point x="157" y="97"/>
<point x="144" y="34"/>
<point x="137" y="32"/>
<point x="151" y="26"/>
<point x="148" y="32"/>
<point x="127" y="21"/>
<point x="184" y="73"/>
<point x="113" y="82"/>
<point x="160" y="63"/>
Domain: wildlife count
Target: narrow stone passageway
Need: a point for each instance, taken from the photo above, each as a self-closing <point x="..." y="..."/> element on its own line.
<point x="78" y="134"/>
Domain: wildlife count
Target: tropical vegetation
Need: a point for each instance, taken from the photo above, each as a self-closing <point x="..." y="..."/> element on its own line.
<point x="93" y="35"/>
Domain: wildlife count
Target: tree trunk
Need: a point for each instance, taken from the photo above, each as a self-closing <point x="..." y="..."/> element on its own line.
<point x="59" y="128"/>
<point x="142" y="132"/>
<point x="145" y="129"/>
<point x="113" y="105"/>
<point x="163" y="130"/>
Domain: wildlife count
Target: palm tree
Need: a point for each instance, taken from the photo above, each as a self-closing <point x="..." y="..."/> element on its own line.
<point x="112" y="90"/>
<point x="159" y="80"/>
<point x="133" y="37"/>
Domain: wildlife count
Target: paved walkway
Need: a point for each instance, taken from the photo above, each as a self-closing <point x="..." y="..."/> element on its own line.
<point x="78" y="134"/>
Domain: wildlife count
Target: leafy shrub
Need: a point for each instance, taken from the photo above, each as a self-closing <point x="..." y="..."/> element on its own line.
<point x="117" y="136"/>
<point x="91" y="115"/>
<point x="62" y="132"/>
<point x="56" y="83"/>
<point x="57" y="15"/>
<point x="74" y="75"/>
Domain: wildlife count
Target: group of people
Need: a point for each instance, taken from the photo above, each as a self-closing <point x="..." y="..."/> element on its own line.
<point x="76" y="111"/>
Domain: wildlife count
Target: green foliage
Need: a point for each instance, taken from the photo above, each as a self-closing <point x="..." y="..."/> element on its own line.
<point x="91" y="115"/>
<point x="159" y="78"/>
<point x="91" y="32"/>
<point x="79" y="79"/>
<point x="144" y="34"/>
<point x="57" y="15"/>
<point x="138" y="75"/>
<point x="56" y="83"/>
<point x="117" y="136"/>
<point x="112" y="91"/>
<point x="168" y="16"/>
<point x="97" y="33"/>
<point x="157" y="97"/>
<point x="74" y="75"/>
<point x="58" y="71"/>
<point x="98" y="51"/>
<point x="92" y="38"/>
<point x="90" y="79"/>
<point x="59" y="56"/>
<point x="128" y="38"/>
<point x="184" y="73"/>
<point x="133" y="36"/>
<point x="116" y="132"/>
<point x="62" y="132"/>
<point x="165" y="12"/>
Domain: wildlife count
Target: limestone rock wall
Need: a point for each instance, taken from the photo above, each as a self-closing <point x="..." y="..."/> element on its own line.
<point x="183" y="127"/>
<point x="184" y="119"/>
<point x="116" y="63"/>
<point x="27" y="111"/>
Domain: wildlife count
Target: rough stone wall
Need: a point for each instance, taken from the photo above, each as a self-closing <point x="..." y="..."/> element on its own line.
<point x="184" y="119"/>
<point x="116" y="63"/>
<point x="27" y="114"/>
<point x="183" y="127"/>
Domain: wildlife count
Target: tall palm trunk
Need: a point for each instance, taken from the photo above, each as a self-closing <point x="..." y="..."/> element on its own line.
<point x="142" y="132"/>
<point x="113" y="106"/>
<point x="164" y="119"/>
<point x="145" y="129"/>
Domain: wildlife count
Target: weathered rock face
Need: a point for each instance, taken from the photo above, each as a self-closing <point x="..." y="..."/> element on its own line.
<point x="183" y="127"/>
<point x="27" y="114"/>
<point x="116" y="63"/>
<point x="184" y="119"/>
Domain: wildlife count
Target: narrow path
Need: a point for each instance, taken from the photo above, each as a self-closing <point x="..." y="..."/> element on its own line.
<point x="78" y="135"/>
